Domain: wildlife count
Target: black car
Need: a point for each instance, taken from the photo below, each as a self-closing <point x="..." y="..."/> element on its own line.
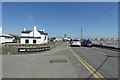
<point x="87" y="43"/>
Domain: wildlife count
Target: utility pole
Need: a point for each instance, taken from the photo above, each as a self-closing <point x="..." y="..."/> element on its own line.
<point x="81" y="33"/>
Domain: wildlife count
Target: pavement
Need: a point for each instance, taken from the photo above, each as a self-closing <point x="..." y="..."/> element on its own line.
<point x="81" y="63"/>
<point x="37" y="65"/>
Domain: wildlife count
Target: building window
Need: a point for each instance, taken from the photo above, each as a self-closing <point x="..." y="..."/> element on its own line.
<point x="27" y="41"/>
<point x="34" y="41"/>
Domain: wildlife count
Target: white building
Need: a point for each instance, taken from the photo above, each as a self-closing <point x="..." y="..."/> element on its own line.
<point x="66" y="38"/>
<point x="6" y="38"/>
<point x="33" y="36"/>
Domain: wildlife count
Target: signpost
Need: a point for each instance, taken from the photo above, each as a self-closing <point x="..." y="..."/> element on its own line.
<point x="33" y="49"/>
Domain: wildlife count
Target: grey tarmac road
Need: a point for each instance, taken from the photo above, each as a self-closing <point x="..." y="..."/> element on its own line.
<point x="98" y="58"/>
<point x="37" y="65"/>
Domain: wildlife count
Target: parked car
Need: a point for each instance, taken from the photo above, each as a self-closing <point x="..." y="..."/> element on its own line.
<point x="75" y="42"/>
<point x="87" y="43"/>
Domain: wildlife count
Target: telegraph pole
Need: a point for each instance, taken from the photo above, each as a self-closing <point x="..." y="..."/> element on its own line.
<point x="81" y="33"/>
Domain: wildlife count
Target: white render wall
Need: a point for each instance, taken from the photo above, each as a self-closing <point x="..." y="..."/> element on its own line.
<point x="22" y="40"/>
<point x="30" y="41"/>
<point x="36" y="33"/>
<point x="30" y="34"/>
<point x="46" y="41"/>
<point x="24" y="34"/>
<point x="38" y="41"/>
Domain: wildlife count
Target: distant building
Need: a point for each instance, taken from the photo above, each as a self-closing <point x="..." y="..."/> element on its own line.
<point x="58" y="39"/>
<point x="6" y="38"/>
<point x="55" y="39"/>
<point x="33" y="36"/>
<point x="66" y="39"/>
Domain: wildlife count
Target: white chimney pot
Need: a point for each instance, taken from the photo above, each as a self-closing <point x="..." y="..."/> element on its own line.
<point x="24" y="29"/>
<point x="35" y="28"/>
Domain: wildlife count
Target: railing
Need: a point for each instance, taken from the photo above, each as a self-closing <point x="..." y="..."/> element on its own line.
<point x="108" y="47"/>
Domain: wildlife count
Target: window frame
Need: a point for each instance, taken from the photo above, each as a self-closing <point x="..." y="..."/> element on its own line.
<point x="35" y="41"/>
<point x="26" y="41"/>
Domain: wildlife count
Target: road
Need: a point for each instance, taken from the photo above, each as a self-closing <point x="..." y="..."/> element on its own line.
<point x="106" y="61"/>
<point x="82" y="62"/>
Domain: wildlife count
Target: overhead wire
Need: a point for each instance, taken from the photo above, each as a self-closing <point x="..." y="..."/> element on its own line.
<point x="98" y="17"/>
<point x="101" y="15"/>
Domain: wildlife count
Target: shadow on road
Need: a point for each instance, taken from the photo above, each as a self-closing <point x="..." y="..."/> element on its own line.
<point x="107" y="56"/>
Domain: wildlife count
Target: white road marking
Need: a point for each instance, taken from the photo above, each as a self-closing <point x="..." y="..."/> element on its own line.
<point x="102" y="53"/>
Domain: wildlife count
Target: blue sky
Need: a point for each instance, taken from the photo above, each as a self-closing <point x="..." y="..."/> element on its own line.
<point x="60" y="18"/>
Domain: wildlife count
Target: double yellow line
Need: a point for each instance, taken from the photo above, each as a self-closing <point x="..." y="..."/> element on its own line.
<point x="88" y="66"/>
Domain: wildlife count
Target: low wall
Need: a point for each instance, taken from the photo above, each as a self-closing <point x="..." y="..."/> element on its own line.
<point x="13" y="48"/>
<point x="107" y="47"/>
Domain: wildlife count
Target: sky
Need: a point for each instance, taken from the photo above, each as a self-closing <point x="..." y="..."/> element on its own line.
<point x="59" y="18"/>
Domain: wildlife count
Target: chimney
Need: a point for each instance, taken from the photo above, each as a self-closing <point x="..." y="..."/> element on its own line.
<point x="35" y="28"/>
<point x="24" y="29"/>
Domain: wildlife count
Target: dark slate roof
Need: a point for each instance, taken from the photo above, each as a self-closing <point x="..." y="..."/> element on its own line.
<point x="6" y="35"/>
<point x="27" y="31"/>
<point x="29" y="37"/>
<point x="41" y="32"/>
